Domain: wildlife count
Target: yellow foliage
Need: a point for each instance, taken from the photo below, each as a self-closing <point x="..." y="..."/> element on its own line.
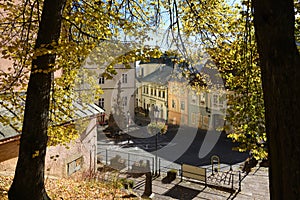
<point x="225" y="33"/>
<point x="71" y="189"/>
<point x="85" y="25"/>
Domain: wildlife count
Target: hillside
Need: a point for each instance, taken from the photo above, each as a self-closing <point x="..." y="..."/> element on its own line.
<point x="74" y="189"/>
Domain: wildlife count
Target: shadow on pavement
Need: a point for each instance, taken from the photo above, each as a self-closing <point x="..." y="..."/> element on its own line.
<point x="181" y="192"/>
<point x="182" y="145"/>
<point x="223" y="147"/>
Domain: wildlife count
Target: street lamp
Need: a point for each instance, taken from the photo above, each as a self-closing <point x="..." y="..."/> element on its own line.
<point x="156" y="115"/>
<point x="128" y="115"/>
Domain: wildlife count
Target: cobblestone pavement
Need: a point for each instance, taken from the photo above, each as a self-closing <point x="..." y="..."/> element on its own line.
<point x="255" y="186"/>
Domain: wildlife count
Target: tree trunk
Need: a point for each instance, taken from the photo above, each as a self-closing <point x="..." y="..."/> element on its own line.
<point x="28" y="182"/>
<point x="280" y="61"/>
<point x="148" y="183"/>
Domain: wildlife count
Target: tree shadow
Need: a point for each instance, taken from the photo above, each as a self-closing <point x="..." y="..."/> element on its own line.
<point x="181" y="192"/>
<point x="128" y="196"/>
<point x="223" y="147"/>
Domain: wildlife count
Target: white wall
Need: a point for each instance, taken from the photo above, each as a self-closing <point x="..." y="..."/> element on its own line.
<point x="84" y="147"/>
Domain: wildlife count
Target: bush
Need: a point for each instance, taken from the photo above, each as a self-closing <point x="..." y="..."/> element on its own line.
<point x="171" y="176"/>
<point x="126" y="183"/>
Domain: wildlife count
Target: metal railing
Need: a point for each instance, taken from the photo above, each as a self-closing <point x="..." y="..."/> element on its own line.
<point x="134" y="163"/>
<point x="125" y="161"/>
<point x="227" y="179"/>
<point x="165" y="166"/>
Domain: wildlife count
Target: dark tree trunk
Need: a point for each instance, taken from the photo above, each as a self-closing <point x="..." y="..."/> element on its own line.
<point x="280" y="62"/>
<point x="28" y="182"/>
<point x="148" y="183"/>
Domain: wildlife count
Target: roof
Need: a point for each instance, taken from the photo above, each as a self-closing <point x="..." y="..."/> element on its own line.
<point x="10" y="120"/>
<point x="203" y="74"/>
<point x="164" y="59"/>
<point x="7" y="132"/>
<point x="85" y="110"/>
<point x="160" y="76"/>
<point x="11" y="123"/>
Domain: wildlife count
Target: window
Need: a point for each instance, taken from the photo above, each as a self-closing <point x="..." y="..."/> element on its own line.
<point x="101" y="119"/>
<point x="202" y="98"/>
<point x="151" y="91"/>
<point x="173" y="103"/>
<point x="205" y="121"/>
<point x="74" y="166"/>
<point x="182" y="119"/>
<point x="215" y="100"/>
<point x="194" y="99"/>
<point x="154" y="92"/>
<point x="196" y="119"/>
<point x="124" y="101"/>
<point x="199" y="119"/>
<point x="159" y="93"/>
<point x="101" y="102"/>
<point x="124" y="78"/>
<point x="163" y="94"/>
<point x="182" y="105"/>
<point x="193" y="118"/>
<point x="218" y="101"/>
<point x="101" y="80"/>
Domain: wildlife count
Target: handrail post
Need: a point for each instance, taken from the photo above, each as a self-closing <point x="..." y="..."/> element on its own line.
<point x="159" y="167"/>
<point x="181" y="173"/>
<point x="152" y="166"/>
<point x="128" y="161"/>
<point x="232" y="180"/>
<point x="240" y="186"/>
<point x="106" y="154"/>
<point x="205" y="178"/>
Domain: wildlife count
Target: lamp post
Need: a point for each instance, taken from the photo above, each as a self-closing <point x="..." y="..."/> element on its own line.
<point x="128" y="115"/>
<point x="156" y="115"/>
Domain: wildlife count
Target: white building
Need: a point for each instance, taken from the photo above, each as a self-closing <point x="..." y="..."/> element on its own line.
<point x="126" y="78"/>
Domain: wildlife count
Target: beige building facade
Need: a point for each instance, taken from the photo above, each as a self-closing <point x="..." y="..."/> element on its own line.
<point x="61" y="160"/>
